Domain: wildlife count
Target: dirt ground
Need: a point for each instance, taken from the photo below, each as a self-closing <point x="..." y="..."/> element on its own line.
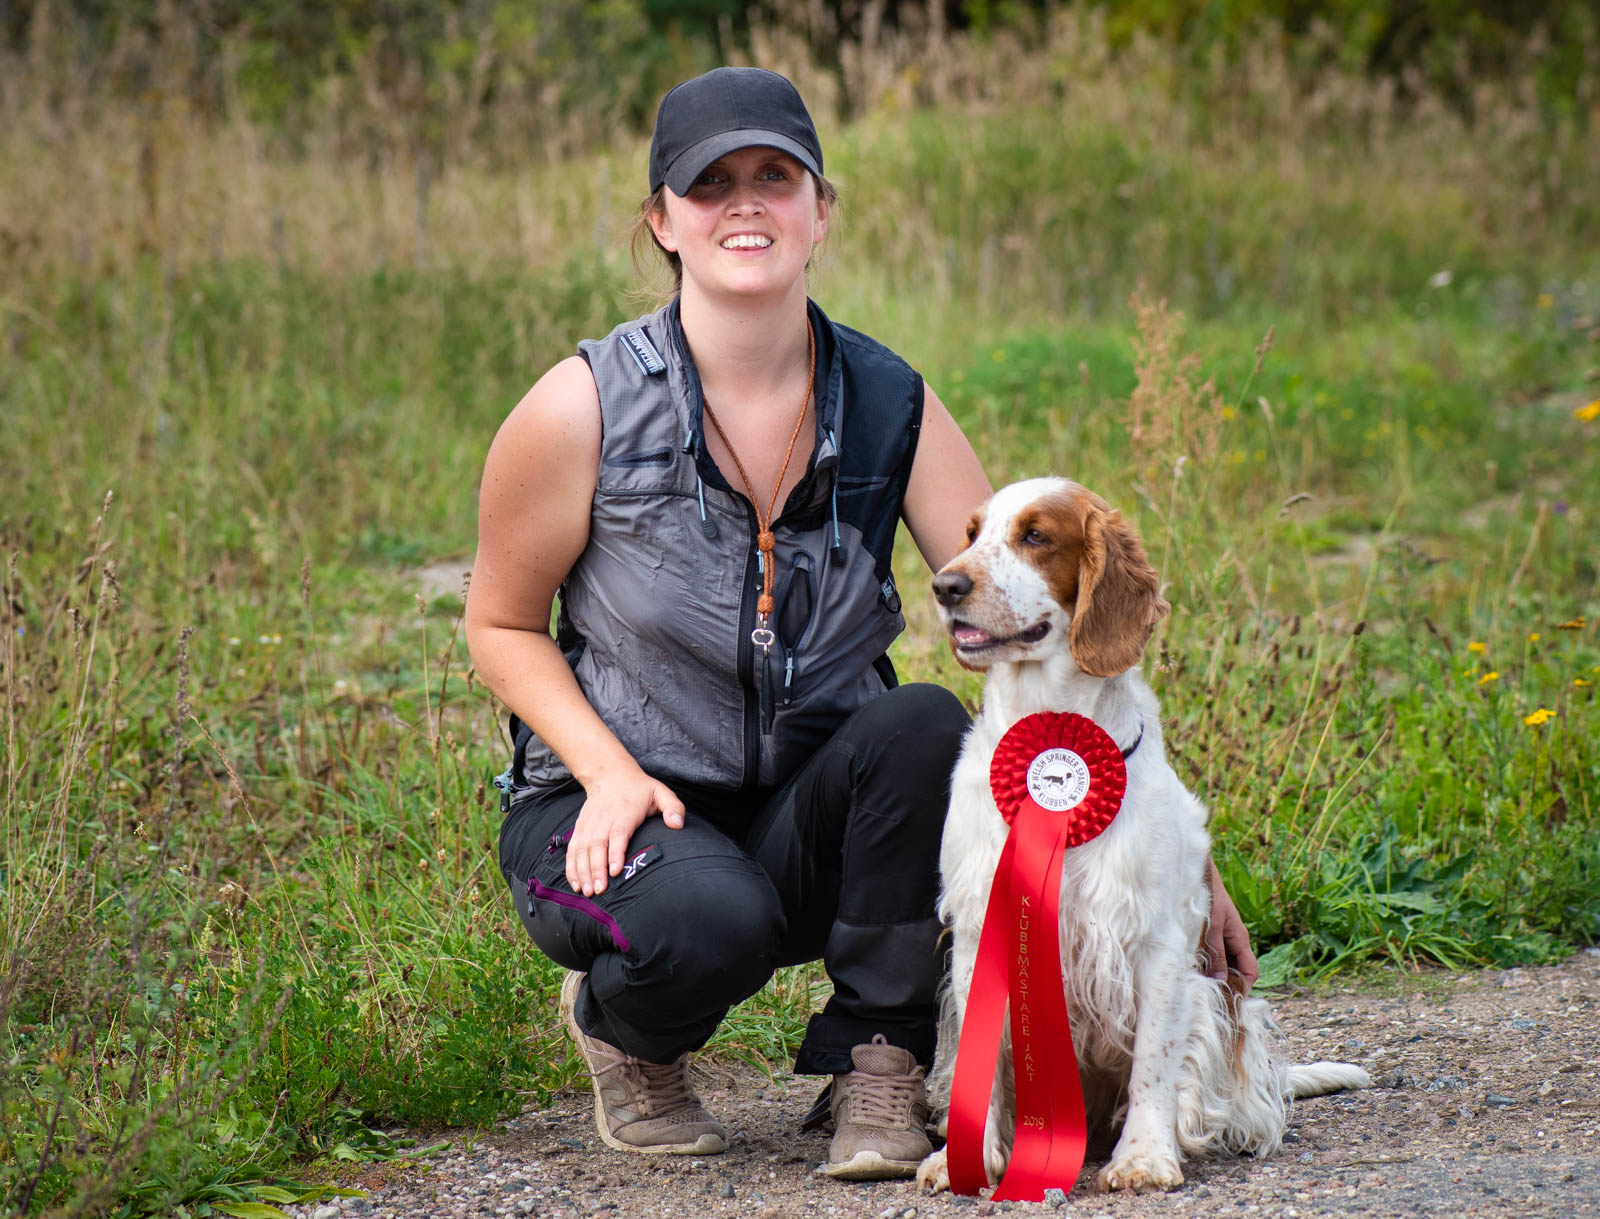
<point x="1486" y="1102"/>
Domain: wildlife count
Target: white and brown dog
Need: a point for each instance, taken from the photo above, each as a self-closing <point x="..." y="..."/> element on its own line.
<point x="1054" y="598"/>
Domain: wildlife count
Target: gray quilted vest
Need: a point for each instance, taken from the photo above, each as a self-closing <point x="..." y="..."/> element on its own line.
<point x="655" y="616"/>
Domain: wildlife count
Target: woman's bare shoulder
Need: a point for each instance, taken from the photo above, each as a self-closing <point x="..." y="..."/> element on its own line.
<point x="558" y="419"/>
<point x="533" y="505"/>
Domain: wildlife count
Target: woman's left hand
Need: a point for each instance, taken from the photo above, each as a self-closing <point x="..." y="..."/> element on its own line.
<point x="1227" y="940"/>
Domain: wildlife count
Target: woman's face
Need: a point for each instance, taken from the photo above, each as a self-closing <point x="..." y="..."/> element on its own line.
<point x="747" y="225"/>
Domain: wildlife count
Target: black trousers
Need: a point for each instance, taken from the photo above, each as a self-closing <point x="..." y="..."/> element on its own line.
<point x="840" y="863"/>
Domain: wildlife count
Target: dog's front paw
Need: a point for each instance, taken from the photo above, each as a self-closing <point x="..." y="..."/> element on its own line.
<point x="933" y="1174"/>
<point x="1140" y="1172"/>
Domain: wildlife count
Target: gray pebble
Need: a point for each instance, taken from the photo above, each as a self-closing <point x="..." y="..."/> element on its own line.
<point x="1498" y="1101"/>
<point x="728" y="1190"/>
<point x="325" y="1212"/>
<point x="1055" y="1197"/>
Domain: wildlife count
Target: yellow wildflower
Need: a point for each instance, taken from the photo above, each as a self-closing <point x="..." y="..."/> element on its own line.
<point x="1488" y="677"/>
<point x="1533" y="636"/>
<point x="1572" y="624"/>
<point x="1546" y="301"/>
<point x="1588" y="414"/>
<point x="1542" y="715"/>
<point x="1475" y="646"/>
<point x="1580" y="682"/>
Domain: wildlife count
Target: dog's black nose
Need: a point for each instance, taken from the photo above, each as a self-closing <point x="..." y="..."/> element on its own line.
<point x="950" y="586"/>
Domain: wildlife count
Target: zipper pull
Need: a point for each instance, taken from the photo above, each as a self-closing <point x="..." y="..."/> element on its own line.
<point x="788" y="679"/>
<point x="503" y="782"/>
<point x="767" y="710"/>
<point x="707" y="525"/>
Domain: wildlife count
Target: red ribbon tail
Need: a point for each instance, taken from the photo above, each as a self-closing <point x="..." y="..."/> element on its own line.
<point x="1050" y="1140"/>
<point x="979" y="1048"/>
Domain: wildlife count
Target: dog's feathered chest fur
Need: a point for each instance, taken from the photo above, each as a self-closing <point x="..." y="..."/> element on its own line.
<point x="1117" y="890"/>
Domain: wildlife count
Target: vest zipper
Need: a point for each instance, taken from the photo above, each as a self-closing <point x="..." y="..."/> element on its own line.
<point x="747" y="656"/>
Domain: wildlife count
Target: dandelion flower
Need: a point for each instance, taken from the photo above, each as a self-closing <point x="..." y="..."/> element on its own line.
<point x="1572" y="624"/>
<point x="1541" y="716"/>
<point x="1490" y="676"/>
<point x="1475" y="646"/>
<point x="1588" y="414"/>
<point x="1533" y="636"/>
<point x="1580" y="682"/>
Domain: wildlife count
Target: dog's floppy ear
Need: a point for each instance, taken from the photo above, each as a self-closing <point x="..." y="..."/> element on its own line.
<point x="1119" y="596"/>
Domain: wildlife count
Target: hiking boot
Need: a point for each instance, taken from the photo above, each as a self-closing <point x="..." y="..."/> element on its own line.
<point x="880" y="1114"/>
<point x="641" y="1106"/>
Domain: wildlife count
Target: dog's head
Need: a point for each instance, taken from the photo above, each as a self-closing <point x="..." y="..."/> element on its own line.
<point x="1045" y="561"/>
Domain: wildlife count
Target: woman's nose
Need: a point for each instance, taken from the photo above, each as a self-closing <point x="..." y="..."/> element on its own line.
<point x="745" y="198"/>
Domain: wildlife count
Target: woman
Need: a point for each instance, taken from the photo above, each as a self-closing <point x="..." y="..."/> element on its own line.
<point x="716" y="773"/>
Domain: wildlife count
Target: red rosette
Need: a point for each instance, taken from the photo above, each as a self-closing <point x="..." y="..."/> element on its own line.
<point x="1078" y="773"/>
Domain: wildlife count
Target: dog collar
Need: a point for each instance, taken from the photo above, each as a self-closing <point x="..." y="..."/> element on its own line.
<point x="1128" y="752"/>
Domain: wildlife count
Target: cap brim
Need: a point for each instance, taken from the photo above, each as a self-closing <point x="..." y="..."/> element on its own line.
<point x="692" y="161"/>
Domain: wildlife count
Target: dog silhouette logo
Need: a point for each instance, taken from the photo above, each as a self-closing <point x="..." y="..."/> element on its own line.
<point x="1058" y="779"/>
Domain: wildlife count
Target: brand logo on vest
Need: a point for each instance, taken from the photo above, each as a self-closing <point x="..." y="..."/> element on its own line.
<point x="643" y="352"/>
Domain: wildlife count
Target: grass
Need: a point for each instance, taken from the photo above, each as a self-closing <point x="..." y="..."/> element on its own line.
<point x="252" y="922"/>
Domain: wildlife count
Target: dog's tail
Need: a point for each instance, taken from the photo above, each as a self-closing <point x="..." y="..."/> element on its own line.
<point x="1320" y="1078"/>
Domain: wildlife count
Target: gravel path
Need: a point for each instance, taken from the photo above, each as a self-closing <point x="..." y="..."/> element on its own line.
<point x="1487" y="1103"/>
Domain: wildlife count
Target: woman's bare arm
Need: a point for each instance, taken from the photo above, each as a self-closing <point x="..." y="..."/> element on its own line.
<point x="533" y="523"/>
<point x="947" y="484"/>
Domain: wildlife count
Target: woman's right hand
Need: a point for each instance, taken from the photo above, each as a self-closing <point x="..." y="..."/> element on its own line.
<point x="614" y="808"/>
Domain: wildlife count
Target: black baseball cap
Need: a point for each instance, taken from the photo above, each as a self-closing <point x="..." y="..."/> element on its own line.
<point x="725" y="110"/>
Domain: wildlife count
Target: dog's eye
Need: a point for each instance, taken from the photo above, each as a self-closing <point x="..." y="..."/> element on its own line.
<point x="1034" y="538"/>
<point x="972" y="534"/>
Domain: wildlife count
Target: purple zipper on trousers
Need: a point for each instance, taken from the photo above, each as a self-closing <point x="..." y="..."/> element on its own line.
<point x="574" y="901"/>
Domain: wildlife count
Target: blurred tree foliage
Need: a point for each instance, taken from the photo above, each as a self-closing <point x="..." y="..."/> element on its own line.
<point x="425" y="72"/>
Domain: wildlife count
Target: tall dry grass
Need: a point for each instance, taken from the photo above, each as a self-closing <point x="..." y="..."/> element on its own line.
<point x="1028" y="167"/>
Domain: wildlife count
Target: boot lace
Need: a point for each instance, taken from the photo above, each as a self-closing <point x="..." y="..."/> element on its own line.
<point x="880" y="1100"/>
<point x="665" y="1087"/>
<point x="654" y="1089"/>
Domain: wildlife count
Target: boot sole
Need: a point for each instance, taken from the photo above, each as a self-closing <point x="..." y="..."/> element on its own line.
<point x="705" y="1145"/>
<point x="870" y="1166"/>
